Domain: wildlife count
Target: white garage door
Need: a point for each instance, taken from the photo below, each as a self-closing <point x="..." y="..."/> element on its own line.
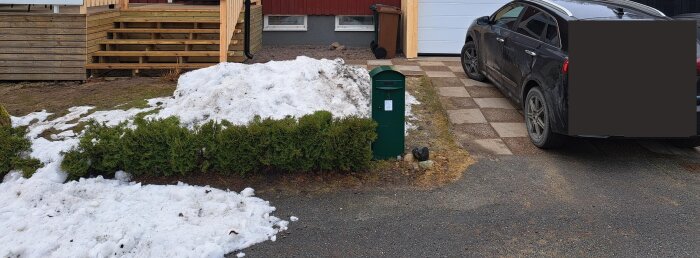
<point x="442" y="24"/>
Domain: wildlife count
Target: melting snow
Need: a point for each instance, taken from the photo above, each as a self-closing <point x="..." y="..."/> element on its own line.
<point x="42" y="216"/>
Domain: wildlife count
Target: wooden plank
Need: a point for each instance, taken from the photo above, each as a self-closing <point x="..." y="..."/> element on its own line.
<point x="42" y="44"/>
<point x="104" y="15"/>
<point x="103" y="66"/>
<point x="409" y="27"/>
<point x="164" y="31"/>
<point x="169" y="14"/>
<point x="42" y="57"/>
<point x="55" y="70"/>
<point x="159" y="53"/>
<point x="41" y="24"/>
<point x="40" y="31"/>
<point x="158" y="41"/>
<point x="58" y="51"/>
<point x="77" y="37"/>
<point x="169" y="20"/>
<point x="32" y="63"/>
<point x="101" y="28"/>
<point x="35" y="17"/>
<point x="43" y="77"/>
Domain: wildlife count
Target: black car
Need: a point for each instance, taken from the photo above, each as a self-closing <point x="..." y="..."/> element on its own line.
<point x="524" y="30"/>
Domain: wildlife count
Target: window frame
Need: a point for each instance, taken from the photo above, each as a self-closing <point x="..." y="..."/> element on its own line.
<point x="341" y="28"/>
<point x="541" y="39"/>
<point x="268" y="27"/>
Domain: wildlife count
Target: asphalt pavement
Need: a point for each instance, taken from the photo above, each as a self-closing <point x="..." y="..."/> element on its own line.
<point x="594" y="198"/>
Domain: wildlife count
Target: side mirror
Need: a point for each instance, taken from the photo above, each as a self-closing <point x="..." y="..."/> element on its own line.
<point x="485" y="20"/>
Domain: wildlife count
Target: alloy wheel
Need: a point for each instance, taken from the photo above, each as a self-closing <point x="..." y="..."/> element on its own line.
<point x="470" y="60"/>
<point x="536" y="117"/>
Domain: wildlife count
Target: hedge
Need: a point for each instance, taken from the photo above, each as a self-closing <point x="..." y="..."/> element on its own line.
<point x="163" y="147"/>
<point x="14" y="148"/>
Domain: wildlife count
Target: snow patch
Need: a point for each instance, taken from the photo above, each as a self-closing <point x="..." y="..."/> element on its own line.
<point x="106" y="218"/>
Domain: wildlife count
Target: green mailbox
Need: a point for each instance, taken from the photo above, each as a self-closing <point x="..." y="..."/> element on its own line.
<point x="388" y="110"/>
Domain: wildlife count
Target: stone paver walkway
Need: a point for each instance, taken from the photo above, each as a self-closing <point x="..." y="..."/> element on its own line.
<point x="484" y="120"/>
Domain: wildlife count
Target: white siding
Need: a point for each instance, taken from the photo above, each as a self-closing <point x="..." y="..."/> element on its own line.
<point x="442" y="24"/>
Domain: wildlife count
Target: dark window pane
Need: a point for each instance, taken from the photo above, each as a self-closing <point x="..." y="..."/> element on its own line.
<point x="506" y="18"/>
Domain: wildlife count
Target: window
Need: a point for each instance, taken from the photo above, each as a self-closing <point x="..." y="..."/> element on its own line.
<point x="540" y="26"/>
<point x="354" y="23"/>
<point x="506" y="17"/>
<point x="285" y="23"/>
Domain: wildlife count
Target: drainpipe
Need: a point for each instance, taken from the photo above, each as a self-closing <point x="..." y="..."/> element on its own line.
<point x="247" y="31"/>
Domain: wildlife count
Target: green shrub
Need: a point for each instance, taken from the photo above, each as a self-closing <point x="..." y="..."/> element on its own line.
<point x="14" y="150"/>
<point x="164" y="148"/>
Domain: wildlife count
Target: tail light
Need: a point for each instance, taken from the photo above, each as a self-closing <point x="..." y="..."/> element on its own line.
<point x="565" y="66"/>
<point x="697" y="65"/>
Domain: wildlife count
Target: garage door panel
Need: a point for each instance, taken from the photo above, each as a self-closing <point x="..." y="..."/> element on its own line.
<point x="442" y="24"/>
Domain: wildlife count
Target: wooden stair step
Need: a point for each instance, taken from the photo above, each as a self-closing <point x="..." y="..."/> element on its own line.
<point x="164" y="53"/>
<point x="169" y="19"/>
<point x="162" y="42"/>
<point x="109" y="66"/>
<point x="164" y="31"/>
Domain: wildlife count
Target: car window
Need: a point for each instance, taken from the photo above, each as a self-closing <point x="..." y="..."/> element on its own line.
<point x="539" y="25"/>
<point x="551" y="35"/>
<point x="532" y="24"/>
<point x="507" y="17"/>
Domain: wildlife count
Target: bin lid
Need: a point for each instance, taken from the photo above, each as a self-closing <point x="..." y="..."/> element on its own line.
<point x="388" y="9"/>
<point x="381" y="69"/>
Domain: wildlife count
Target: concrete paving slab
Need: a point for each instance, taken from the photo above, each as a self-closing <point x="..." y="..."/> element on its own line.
<point x="466" y="133"/>
<point x="494" y="103"/>
<point x="436" y="68"/>
<point x="472" y="83"/>
<point x="379" y="62"/>
<point x="440" y="74"/>
<point x="456" y="69"/>
<point x="522" y="146"/>
<point x="494" y="146"/>
<point x="408" y="68"/>
<point x="459" y="92"/>
<point x="510" y="129"/>
<point x="446" y="82"/>
<point x="430" y="63"/>
<point x="458" y="103"/>
<point x="503" y="115"/>
<point x="466" y="116"/>
<point x="485" y="92"/>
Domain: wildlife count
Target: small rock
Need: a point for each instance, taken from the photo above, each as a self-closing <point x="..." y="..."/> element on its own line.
<point x="428" y="164"/>
<point x="408" y="158"/>
<point x="415" y="166"/>
<point x="340" y="48"/>
<point x="421" y="154"/>
<point x="335" y="45"/>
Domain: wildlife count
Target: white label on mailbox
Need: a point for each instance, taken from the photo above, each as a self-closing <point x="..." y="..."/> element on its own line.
<point x="388" y="105"/>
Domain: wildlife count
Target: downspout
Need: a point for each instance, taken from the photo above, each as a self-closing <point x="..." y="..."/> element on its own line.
<point x="246" y="46"/>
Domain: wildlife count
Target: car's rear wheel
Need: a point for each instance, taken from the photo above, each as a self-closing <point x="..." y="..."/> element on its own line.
<point x="470" y="62"/>
<point x="537" y="121"/>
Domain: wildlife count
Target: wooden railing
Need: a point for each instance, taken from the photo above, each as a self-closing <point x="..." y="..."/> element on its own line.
<point x="229" y="11"/>
<point x="123" y="4"/>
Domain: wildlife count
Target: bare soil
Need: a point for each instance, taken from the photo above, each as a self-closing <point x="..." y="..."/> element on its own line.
<point x="279" y="53"/>
<point x="21" y="98"/>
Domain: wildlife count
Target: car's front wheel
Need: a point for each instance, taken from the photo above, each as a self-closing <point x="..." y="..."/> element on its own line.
<point x="537" y="121"/>
<point x="470" y="61"/>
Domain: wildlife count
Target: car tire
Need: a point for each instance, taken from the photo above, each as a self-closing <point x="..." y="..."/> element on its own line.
<point x="537" y="121"/>
<point x="470" y="62"/>
<point x="686" y="143"/>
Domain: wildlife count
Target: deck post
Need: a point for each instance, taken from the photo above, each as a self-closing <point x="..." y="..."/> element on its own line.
<point x="123" y="4"/>
<point x="223" y="30"/>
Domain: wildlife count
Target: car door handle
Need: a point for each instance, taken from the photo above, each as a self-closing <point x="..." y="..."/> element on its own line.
<point x="530" y="52"/>
<point x="500" y="40"/>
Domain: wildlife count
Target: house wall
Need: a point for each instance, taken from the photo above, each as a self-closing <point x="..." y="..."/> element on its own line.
<point x="42" y="46"/>
<point x="323" y="7"/>
<point x="320" y="31"/>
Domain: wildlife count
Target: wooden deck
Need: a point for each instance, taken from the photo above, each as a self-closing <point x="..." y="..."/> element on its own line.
<point x="41" y="45"/>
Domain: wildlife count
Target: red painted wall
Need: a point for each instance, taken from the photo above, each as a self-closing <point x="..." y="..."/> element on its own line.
<point x="323" y="7"/>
